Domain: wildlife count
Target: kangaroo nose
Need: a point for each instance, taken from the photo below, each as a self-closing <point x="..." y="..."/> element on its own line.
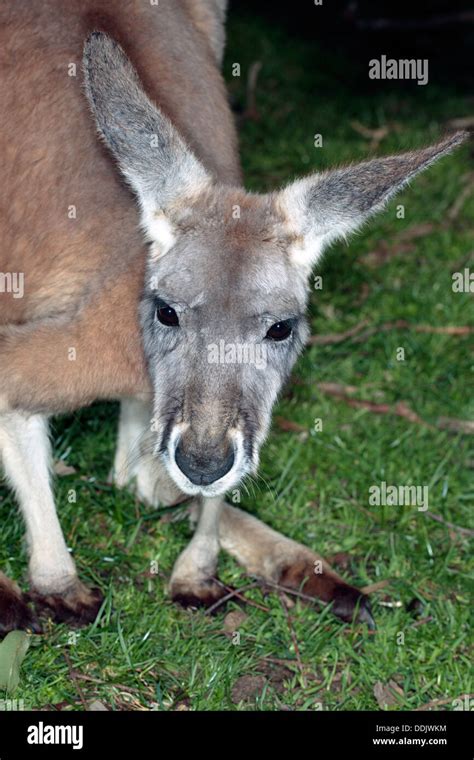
<point x="200" y="471"/>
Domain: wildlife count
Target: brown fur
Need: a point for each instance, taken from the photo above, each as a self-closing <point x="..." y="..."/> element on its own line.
<point x="83" y="275"/>
<point x="14" y="610"/>
<point x="204" y="594"/>
<point x="271" y="557"/>
<point x="77" y="606"/>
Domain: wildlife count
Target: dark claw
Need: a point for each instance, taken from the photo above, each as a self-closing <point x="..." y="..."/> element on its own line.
<point x="206" y="594"/>
<point x="348" y="602"/>
<point x="416" y="607"/>
<point x="365" y="614"/>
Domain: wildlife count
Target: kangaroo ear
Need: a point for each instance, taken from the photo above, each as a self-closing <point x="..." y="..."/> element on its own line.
<point x="149" y="151"/>
<point x="324" y="207"/>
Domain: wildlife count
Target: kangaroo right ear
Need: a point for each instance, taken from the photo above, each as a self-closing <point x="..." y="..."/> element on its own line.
<point x="150" y="153"/>
<point x="324" y="207"/>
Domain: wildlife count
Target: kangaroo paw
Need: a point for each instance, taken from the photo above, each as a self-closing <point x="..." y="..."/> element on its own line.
<point x="15" y="613"/>
<point x="197" y="593"/>
<point x="348" y="603"/>
<point x="77" y="606"/>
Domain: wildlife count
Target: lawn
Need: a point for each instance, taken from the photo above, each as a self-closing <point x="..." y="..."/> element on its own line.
<point x="323" y="454"/>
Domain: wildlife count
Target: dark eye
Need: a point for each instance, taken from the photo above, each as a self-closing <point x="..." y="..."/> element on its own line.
<point x="166" y="315"/>
<point x="280" y="330"/>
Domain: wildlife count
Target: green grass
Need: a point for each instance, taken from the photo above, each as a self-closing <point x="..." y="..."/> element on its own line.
<point x="143" y="652"/>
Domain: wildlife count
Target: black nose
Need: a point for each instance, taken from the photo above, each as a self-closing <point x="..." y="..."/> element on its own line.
<point x="203" y="471"/>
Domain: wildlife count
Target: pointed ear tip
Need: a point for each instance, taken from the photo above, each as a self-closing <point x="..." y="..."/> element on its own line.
<point x="93" y="38"/>
<point x="446" y="144"/>
<point x="454" y="139"/>
<point x="96" y="42"/>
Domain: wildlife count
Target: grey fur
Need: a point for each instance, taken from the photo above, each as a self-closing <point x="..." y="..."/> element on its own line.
<point x="342" y="199"/>
<point x="229" y="276"/>
<point x="150" y="152"/>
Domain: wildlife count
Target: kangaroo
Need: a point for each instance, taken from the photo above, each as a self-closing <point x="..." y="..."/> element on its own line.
<point x="124" y="306"/>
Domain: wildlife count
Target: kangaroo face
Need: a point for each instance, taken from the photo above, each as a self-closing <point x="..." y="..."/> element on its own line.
<point x="223" y="322"/>
<point x="225" y="291"/>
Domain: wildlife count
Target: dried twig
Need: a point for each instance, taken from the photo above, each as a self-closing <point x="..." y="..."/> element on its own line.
<point x="294" y="639"/>
<point x="399" y="324"/>
<point x="236" y="594"/>
<point x="251" y="111"/>
<point x="456" y="426"/>
<point x="402" y="324"/>
<point x="337" y="389"/>
<point x="444" y="701"/>
<point x="400" y="409"/>
<point x="430" y="22"/>
<point x="290" y="591"/>
<point x="422" y="621"/>
<point x="289" y="426"/>
<point x="75" y="680"/>
<point x="324" y="340"/>
<point x="452" y="526"/>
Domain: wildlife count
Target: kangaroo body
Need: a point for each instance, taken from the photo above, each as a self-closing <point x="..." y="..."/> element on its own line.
<point x="102" y="314"/>
<point x="68" y="221"/>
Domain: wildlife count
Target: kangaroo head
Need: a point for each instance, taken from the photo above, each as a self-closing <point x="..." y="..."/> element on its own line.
<point x="223" y="305"/>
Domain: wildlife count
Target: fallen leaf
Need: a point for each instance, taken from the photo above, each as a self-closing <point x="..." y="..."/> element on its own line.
<point x="246" y="688"/>
<point x="277" y="673"/>
<point x="97" y="706"/>
<point x="12" y="653"/>
<point x="233" y="620"/>
<point x="388" y="694"/>
<point x="328" y="311"/>
<point x="61" y="468"/>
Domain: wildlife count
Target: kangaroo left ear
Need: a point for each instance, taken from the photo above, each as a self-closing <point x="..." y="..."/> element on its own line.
<point x="324" y="207"/>
<point x="150" y="153"/>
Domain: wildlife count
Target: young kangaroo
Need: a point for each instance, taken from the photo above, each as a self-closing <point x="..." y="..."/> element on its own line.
<point x="105" y="316"/>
